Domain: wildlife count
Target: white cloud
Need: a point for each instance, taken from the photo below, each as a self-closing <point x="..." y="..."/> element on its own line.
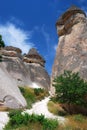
<point x="14" y="36"/>
<point x="55" y="47"/>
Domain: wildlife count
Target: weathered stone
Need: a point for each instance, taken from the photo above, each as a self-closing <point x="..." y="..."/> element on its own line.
<point x="12" y="62"/>
<point x="10" y="95"/>
<point x="35" y="65"/>
<point x="71" y="53"/>
<point x="34" y="57"/>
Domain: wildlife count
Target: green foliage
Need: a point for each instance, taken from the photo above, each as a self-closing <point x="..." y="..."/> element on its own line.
<point x="32" y="95"/>
<point x="37" y="91"/>
<point x="18" y="119"/>
<point x="2" y="44"/>
<point x="70" y="88"/>
<point x="79" y="118"/>
<point x="29" y="95"/>
<point x="50" y="124"/>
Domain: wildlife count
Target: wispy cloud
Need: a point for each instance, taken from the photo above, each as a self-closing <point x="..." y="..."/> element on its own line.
<point x="15" y="36"/>
<point x="55" y="47"/>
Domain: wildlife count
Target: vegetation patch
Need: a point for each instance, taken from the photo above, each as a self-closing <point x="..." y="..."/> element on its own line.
<point x="23" y="121"/>
<point x="71" y="91"/>
<point x="56" y="108"/>
<point x="32" y="95"/>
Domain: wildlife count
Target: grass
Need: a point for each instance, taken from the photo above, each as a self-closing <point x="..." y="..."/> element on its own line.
<point x="74" y="122"/>
<point x="55" y="108"/>
<point x="32" y="95"/>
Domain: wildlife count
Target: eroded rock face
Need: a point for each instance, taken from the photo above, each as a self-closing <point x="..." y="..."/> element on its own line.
<point x="71" y="53"/>
<point x="12" y="62"/>
<point x="10" y="95"/>
<point x="39" y="75"/>
<point x="35" y="65"/>
<point x="27" y="70"/>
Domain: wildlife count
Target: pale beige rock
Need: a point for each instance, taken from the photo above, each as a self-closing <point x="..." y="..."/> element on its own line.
<point x="10" y="95"/>
<point x="71" y="53"/>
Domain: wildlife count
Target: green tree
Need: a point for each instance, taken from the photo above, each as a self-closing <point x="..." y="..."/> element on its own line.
<point x="70" y="88"/>
<point x="2" y="44"/>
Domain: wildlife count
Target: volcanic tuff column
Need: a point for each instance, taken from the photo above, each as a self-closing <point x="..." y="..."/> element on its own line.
<point x="35" y="64"/>
<point x="71" y="53"/>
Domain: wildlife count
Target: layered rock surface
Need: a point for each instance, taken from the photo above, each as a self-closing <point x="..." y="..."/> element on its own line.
<point x="18" y="70"/>
<point x="71" y="53"/>
<point x="35" y="65"/>
<point x="12" y="61"/>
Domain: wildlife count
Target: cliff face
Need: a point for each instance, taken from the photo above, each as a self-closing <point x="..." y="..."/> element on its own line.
<point x="71" y="53"/>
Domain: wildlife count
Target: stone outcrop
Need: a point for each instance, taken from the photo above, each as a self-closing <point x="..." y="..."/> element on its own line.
<point x="12" y="62"/>
<point x="35" y="65"/>
<point x="71" y="53"/>
<point x="26" y="70"/>
<point x="18" y="70"/>
<point x="10" y="95"/>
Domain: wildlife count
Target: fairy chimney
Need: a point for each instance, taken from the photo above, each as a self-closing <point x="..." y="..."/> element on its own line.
<point x="34" y="57"/>
<point x="36" y="66"/>
<point x="71" y="53"/>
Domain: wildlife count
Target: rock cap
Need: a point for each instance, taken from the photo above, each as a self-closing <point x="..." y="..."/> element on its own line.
<point x="71" y="11"/>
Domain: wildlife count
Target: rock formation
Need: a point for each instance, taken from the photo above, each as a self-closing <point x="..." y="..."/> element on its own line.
<point x="35" y="65"/>
<point x="71" y="53"/>
<point x="10" y="95"/>
<point x="12" y="61"/>
<point x="18" y="70"/>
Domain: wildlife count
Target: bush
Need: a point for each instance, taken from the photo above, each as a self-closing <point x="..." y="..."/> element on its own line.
<point x="37" y="91"/>
<point x="50" y="124"/>
<point x="19" y="119"/>
<point x="70" y="89"/>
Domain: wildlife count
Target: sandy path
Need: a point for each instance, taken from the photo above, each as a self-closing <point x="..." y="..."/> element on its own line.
<point x="37" y="108"/>
<point x="41" y="108"/>
<point x="3" y="119"/>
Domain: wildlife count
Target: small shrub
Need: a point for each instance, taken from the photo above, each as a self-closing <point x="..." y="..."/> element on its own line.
<point x="19" y="119"/>
<point x="41" y="118"/>
<point x="50" y="124"/>
<point x="37" y="91"/>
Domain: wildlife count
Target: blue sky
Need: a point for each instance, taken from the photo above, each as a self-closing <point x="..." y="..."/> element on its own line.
<point x="31" y="23"/>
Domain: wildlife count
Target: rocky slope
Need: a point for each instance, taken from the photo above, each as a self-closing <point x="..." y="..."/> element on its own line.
<point x="71" y="53"/>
